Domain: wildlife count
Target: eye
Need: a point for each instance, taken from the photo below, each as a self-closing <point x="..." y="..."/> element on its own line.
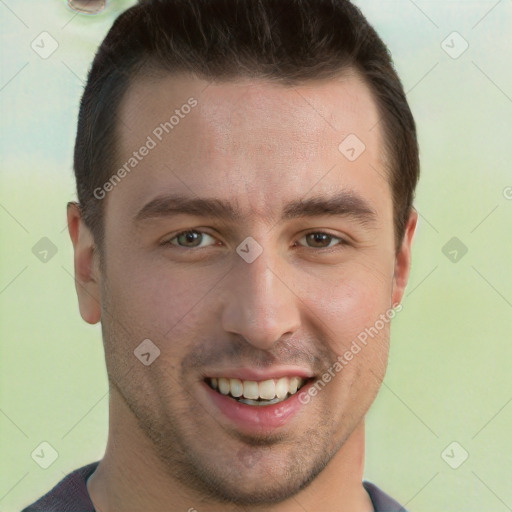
<point x="188" y="239"/>
<point x="322" y="240"/>
<point x="192" y="238"/>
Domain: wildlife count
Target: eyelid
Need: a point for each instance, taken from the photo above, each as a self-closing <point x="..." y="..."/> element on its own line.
<point x="168" y="240"/>
<point x="342" y="241"/>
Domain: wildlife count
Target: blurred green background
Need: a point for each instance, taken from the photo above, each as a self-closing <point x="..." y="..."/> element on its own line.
<point x="449" y="378"/>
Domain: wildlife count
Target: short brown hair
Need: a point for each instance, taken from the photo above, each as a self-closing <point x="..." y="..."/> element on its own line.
<point x="288" y="40"/>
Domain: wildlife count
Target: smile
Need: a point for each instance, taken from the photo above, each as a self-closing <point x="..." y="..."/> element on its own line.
<point x="259" y="393"/>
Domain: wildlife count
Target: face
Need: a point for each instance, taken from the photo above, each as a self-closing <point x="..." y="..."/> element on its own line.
<point x="268" y="284"/>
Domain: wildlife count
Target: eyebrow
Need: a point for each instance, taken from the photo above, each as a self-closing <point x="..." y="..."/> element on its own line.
<point x="343" y="204"/>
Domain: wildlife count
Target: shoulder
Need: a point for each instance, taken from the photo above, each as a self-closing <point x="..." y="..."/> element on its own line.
<point x="381" y="501"/>
<point x="69" y="495"/>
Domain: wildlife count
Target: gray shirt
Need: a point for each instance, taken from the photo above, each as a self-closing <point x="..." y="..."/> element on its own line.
<point x="70" y="495"/>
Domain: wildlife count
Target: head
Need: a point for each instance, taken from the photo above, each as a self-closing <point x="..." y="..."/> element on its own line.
<point x="289" y="118"/>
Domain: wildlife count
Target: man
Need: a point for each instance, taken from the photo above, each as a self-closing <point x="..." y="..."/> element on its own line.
<point x="245" y="174"/>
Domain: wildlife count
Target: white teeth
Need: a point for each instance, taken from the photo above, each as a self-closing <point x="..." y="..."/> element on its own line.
<point x="274" y="390"/>
<point x="248" y="401"/>
<point x="237" y="388"/>
<point x="282" y="387"/>
<point x="251" y="389"/>
<point x="294" y="384"/>
<point x="267" y="389"/>
<point x="224" y="386"/>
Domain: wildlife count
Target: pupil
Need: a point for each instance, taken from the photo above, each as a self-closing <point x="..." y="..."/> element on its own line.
<point x="318" y="237"/>
<point x="191" y="236"/>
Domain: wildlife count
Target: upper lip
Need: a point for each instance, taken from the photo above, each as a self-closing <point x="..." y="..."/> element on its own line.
<point x="259" y="375"/>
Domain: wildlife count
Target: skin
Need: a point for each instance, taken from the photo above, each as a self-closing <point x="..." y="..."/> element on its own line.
<point x="262" y="145"/>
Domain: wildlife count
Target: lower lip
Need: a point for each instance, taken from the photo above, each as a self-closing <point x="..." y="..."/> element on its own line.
<point x="259" y="418"/>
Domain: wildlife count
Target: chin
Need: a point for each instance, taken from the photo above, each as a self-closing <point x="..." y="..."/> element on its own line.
<point x="258" y="492"/>
<point x="264" y="483"/>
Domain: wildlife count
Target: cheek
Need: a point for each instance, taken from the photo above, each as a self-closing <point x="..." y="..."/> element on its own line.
<point x="161" y="301"/>
<point x="349" y="300"/>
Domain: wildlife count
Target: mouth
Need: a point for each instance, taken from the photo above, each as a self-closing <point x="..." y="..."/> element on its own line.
<point x="258" y="393"/>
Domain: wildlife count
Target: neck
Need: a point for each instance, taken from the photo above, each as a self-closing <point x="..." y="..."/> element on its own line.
<point x="130" y="477"/>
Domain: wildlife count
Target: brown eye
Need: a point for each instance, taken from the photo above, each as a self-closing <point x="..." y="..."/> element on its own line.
<point x="321" y="240"/>
<point x="189" y="239"/>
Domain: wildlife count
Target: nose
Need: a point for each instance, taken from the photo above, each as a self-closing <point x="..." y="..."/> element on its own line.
<point x="260" y="305"/>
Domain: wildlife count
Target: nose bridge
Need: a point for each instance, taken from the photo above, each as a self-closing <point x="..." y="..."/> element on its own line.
<point x="260" y="307"/>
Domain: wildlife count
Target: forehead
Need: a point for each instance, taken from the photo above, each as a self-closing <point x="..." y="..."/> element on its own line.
<point x="260" y="142"/>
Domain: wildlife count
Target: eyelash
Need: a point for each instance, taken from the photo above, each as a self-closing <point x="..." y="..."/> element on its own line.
<point x="341" y="241"/>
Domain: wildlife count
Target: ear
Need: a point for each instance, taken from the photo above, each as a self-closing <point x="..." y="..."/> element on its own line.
<point x="86" y="261"/>
<point x="403" y="259"/>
